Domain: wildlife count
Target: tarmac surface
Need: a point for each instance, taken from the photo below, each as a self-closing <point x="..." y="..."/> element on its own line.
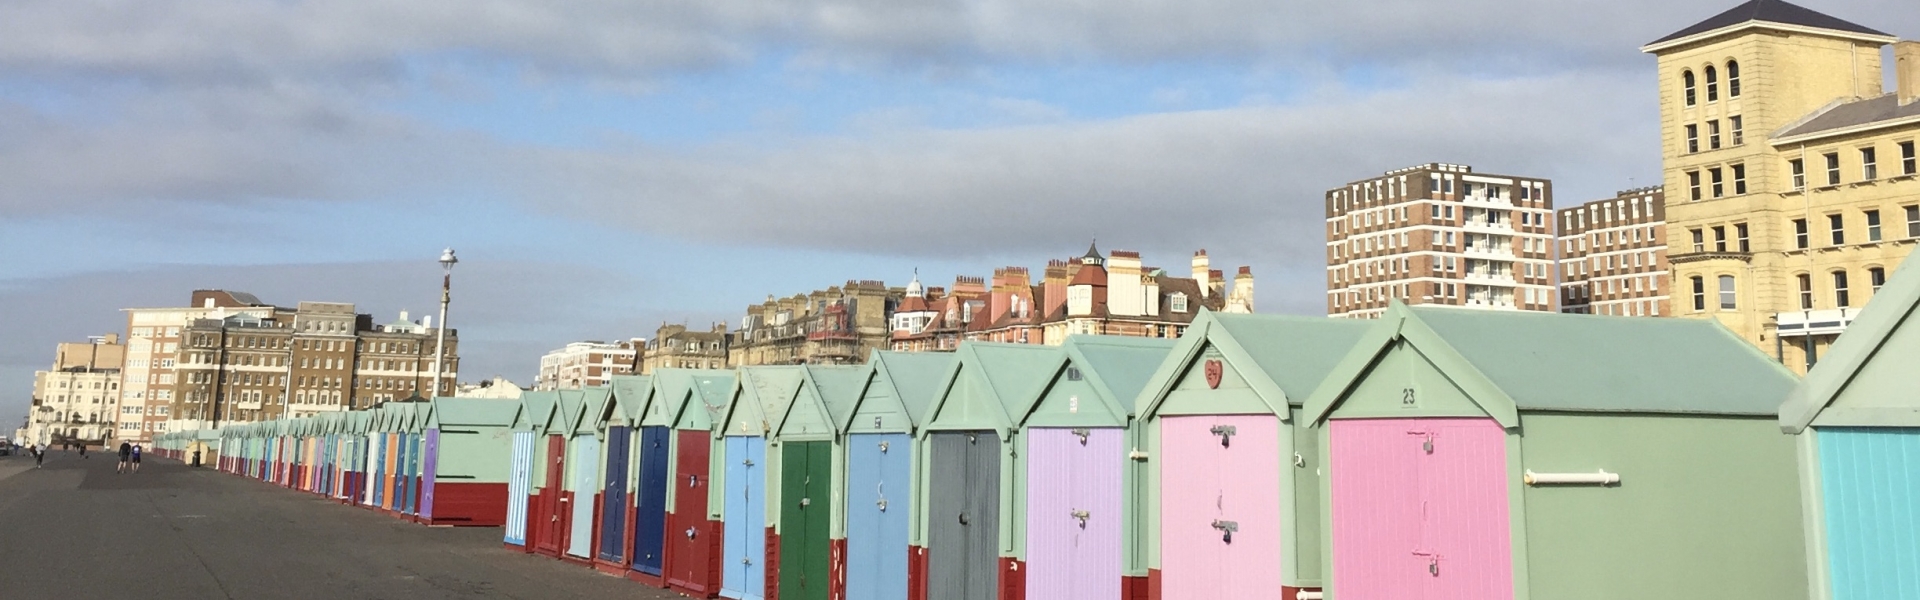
<point x="76" y="529"/>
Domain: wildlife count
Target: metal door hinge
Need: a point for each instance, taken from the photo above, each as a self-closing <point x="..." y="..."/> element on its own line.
<point x="1226" y="529"/>
<point x="1226" y="433"/>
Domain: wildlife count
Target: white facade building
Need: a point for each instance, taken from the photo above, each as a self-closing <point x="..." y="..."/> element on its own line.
<point x="588" y="364"/>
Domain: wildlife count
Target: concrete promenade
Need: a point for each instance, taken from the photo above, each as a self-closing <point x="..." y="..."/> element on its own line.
<point x="75" y="529"/>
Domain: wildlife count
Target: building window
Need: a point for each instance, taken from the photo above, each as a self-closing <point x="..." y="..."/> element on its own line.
<point x="1873" y="225"/>
<point x="1719" y="238"/>
<point x="1840" y="289"/>
<point x="1686" y="82"/>
<point x="1876" y="276"/>
<point x="1713" y="134"/>
<point x="1699" y="293"/>
<point x="1907" y="165"/>
<point x="1733" y="80"/>
<point x="1869" y="167"/>
<point x="1833" y="168"/>
<point x="1713" y="84"/>
<point x="1913" y="221"/>
<point x="1734" y="131"/>
<point x="1740" y="236"/>
<point x="1693" y="139"/>
<point x="1837" y="225"/>
<point x="1799" y="170"/>
<point x="1693" y="185"/>
<point x="1739" y="179"/>
<point x="1726" y="292"/>
<point x="1800" y="233"/>
<point x="1719" y="188"/>
<point x="1179" y="303"/>
<point x="1806" y="291"/>
<point x="1699" y="241"/>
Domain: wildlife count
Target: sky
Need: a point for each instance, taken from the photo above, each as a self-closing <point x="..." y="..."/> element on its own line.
<point x="605" y="166"/>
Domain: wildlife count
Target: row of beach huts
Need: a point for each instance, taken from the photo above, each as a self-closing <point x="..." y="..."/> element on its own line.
<point x="1434" y="453"/>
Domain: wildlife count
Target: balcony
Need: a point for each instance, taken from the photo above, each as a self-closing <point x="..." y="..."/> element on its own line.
<point x="1707" y="256"/>
<point x="1488" y="227"/>
<point x="1482" y="201"/>
<point x="1489" y="304"/>
<point x="1483" y="278"/>
<point x="1801" y="323"/>
<point x="1489" y="251"/>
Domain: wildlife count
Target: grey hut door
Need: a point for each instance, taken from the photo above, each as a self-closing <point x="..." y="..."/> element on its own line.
<point x="964" y="522"/>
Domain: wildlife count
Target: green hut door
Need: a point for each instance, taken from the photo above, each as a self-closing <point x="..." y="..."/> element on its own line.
<point x="805" y="506"/>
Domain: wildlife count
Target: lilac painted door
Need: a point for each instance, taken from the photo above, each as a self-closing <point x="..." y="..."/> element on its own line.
<point x="429" y="470"/>
<point x="1420" y="509"/>
<point x="1220" y="528"/>
<point x="1073" y="513"/>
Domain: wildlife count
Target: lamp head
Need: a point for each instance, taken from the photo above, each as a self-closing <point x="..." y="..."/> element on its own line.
<point x="447" y="259"/>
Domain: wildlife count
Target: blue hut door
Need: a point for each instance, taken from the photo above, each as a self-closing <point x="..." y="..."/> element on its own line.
<point x="746" y="516"/>
<point x="586" y="481"/>
<point x="410" y="482"/>
<point x="650" y="502"/>
<point x="613" y="497"/>
<point x="878" y="466"/>
<point x="1870" y="483"/>
<point x="519" y="477"/>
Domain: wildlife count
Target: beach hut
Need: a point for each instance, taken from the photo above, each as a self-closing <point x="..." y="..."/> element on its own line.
<point x="1230" y="393"/>
<point x="551" y="516"/>
<point x="654" y="453"/>
<point x="468" y="453"/>
<point x="528" y="456"/>
<point x="583" y="472"/>
<point x="693" y="538"/>
<point x="1504" y="454"/>
<point x="759" y="399"/>
<point x="414" y="446"/>
<point x="1856" y="419"/>
<point x="807" y="462"/>
<point x="626" y="400"/>
<point x="966" y="454"/>
<point x="880" y="430"/>
<point x="1070" y="502"/>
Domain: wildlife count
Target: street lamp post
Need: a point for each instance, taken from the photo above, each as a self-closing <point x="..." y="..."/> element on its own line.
<point x="447" y="261"/>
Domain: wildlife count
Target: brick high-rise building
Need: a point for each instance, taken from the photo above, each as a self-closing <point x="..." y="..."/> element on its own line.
<point x="1774" y="118"/>
<point x="588" y="364"/>
<point x="1613" y="255"/>
<point x="148" y="376"/>
<point x="1440" y="234"/>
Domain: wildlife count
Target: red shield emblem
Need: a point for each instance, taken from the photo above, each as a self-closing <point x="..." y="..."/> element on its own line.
<point x="1214" y="371"/>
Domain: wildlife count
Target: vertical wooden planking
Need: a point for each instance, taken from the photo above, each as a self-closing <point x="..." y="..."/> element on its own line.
<point x="586" y="468"/>
<point x="1464" y="484"/>
<point x="877" y="505"/>
<point x="1374" y="479"/>
<point x="1052" y="532"/>
<point x="1097" y="489"/>
<point x="1250" y="500"/>
<point x="982" y="490"/>
<point x="1191" y="556"/>
<point x="947" y="539"/>
<point x="429" y="469"/>
<point x="650" y="501"/>
<point x="692" y="545"/>
<point x="518" y="480"/>
<point x="744" y="478"/>
<point x="1870" y="480"/>
<point x="613" y="496"/>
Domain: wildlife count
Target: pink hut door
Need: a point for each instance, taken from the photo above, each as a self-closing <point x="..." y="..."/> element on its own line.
<point x="1220" y="528"/>
<point x="1420" y="509"/>
<point x="1073" y="513"/>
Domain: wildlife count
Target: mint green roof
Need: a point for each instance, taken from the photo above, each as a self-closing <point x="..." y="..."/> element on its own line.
<point x="1284" y="358"/>
<point x="709" y="398"/>
<point x="630" y="395"/>
<point x="992" y="385"/>
<point x="916" y="377"/>
<point x="486" y="412"/>
<point x="1119" y="367"/>
<point x="1524" y="360"/>
<point x="593" y="407"/>
<point x="539" y="407"/>
<point x="839" y="388"/>
<point x="571" y="403"/>
<point x="1868" y="378"/>
<point x="759" y="399"/>
<point x="422" y="413"/>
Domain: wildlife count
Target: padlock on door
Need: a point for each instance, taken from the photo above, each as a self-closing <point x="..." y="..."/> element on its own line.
<point x="1227" y="528"/>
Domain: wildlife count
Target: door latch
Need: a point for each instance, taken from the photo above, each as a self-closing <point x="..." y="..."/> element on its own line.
<point x="963" y="518"/>
<point x="1083" y="433"/>
<point x="693" y="480"/>
<point x="746" y="561"/>
<point x="805" y="502"/>
<point x="747" y="462"/>
<point x="883" y="447"/>
<point x="1082" y="516"/>
<point x="1433" y="562"/>
<point x="1226" y="529"/>
<point x="1226" y="434"/>
<point x="691" y="533"/>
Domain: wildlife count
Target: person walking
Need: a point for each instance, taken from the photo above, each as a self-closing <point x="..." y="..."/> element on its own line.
<point x="39" y="455"/>
<point x="126" y="457"/>
<point x="136" y="458"/>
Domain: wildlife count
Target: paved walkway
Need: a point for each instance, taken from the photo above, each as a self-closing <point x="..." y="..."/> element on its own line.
<point x="76" y="529"/>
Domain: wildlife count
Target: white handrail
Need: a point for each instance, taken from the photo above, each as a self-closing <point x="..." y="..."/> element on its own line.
<point x="1601" y="477"/>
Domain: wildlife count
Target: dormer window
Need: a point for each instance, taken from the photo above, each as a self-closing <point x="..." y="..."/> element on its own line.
<point x="1179" y="302"/>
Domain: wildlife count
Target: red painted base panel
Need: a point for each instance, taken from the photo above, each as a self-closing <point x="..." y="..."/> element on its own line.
<point x="1013" y="579"/>
<point x="649" y="580"/>
<point x="1133" y="588"/>
<point x="1153" y="584"/>
<point x="772" y="587"/>
<point x="916" y="573"/>
<point x="837" y="569"/>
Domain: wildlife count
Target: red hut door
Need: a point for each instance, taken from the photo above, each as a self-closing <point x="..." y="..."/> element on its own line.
<point x="551" y="496"/>
<point x="690" y="566"/>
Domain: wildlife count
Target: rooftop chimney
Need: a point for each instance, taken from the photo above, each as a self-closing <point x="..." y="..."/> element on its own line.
<point x="1906" y="71"/>
<point x="1201" y="271"/>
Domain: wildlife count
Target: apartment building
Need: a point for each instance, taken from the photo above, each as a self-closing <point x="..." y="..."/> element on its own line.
<point x="76" y="400"/>
<point x="588" y="364"/>
<point x="1440" y="234"/>
<point x="837" y="325"/>
<point x="153" y="339"/>
<point x="676" y="347"/>
<point x="1774" y="121"/>
<point x="1613" y="254"/>
<point x="319" y="357"/>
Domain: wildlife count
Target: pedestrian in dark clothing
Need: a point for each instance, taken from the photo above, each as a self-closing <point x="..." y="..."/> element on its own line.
<point x="126" y="457"/>
<point x="39" y="455"/>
